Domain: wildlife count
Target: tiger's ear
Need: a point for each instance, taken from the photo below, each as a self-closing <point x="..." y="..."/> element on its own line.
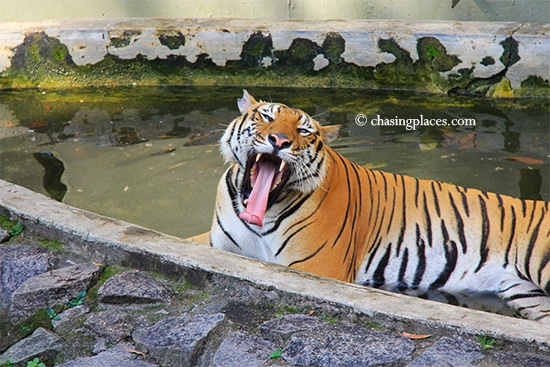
<point x="330" y="133"/>
<point x="246" y="102"/>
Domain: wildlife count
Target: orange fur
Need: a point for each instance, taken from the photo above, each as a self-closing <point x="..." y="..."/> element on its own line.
<point x="338" y="219"/>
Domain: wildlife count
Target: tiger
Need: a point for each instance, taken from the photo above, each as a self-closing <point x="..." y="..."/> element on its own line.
<point x="290" y="199"/>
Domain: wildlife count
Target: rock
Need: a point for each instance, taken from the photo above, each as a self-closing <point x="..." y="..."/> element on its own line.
<point x="280" y="329"/>
<point x="450" y="352"/>
<point x="4" y="235"/>
<point x="133" y="287"/>
<point x="18" y="264"/>
<point x="70" y="314"/>
<point x="527" y="359"/>
<point x="336" y="345"/>
<point x="41" y="344"/>
<point x="178" y="341"/>
<point x="243" y="350"/>
<point x="118" y="356"/>
<point x="112" y="325"/>
<point x="51" y="288"/>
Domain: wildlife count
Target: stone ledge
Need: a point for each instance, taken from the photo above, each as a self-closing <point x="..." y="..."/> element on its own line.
<point x="500" y="59"/>
<point x="115" y="242"/>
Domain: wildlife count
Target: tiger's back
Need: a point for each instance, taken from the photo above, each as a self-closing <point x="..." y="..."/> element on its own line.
<point x="323" y="214"/>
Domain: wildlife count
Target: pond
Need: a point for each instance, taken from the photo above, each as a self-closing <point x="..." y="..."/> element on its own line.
<point x="149" y="155"/>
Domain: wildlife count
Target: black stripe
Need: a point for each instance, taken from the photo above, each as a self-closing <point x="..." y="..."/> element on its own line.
<point x="451" y="253"/>
<point x="421" y="266"/>
<point x="435" y="194"/>
<point x="416" y="191"/>
<point x="225" y="232"/>
<point x="232" y="189"/>
<point x="285" y="213"/>
<point x="502" y="212"/>
<point x="345" y="219"/>
<point x="465" y="203"/>
<point x="385" y="187"/>
<point x="404" y="215"/>
<point x="459" y="224"/>
<point x="485" y="230"/>
<point x="511" y="240"/>
<point x="504" y="290"/>
<point x="392" y="212"/>
<point x="531" y="218"/>
<point x="308" y="257"/>
<point x="378" y="278"/>
<point x="543" y="264"/>
<point x="373" y="252"/>
<point x="352" y="226"/>
<point x="531" y="246"/>
<point x="428" y="221"/>
<point x="319" y="146"/>
<point x="401" y="285"/>
<point x="283" y="245"/>
<point x="375" y="218"/>
<point x="532" y="294"/>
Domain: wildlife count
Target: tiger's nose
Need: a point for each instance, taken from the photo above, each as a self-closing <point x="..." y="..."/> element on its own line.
<point x="278" y="140"/>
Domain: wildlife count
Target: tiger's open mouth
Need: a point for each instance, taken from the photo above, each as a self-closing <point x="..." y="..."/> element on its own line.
<point x="265" y="177"/>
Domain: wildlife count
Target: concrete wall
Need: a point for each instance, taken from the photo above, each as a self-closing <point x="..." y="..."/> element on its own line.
<point x="463" y="10"/>
<point x="481" y="58"/>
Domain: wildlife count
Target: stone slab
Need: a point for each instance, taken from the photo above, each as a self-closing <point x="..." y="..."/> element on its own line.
<point x="114" y="241"/>
<point x="51" y="288"/>
<point x="41" y="344"/>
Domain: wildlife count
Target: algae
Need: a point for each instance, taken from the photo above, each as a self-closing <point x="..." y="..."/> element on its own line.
<point x="43" y="61"/>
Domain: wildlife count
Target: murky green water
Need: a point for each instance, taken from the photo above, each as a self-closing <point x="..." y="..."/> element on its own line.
<point x="149" y="155"/>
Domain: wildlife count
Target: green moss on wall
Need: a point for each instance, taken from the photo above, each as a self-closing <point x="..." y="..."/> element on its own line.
<point x="43" y="61"/>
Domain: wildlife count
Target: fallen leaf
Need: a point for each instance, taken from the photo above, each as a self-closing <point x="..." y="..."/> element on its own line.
<point x="11" y="123"/>
<point x="48" y="107"/>
<point x="415" y="336"/>
<point x="311" y="313"/>
<point x="164" y="151"/>
<point x="525" y="160"/>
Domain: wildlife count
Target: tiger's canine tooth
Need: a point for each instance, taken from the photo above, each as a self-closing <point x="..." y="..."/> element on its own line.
<point x="282" y="166"/>
<point x="258" y="156"/>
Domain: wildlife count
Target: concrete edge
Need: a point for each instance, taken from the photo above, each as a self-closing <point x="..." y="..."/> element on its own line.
<point x="116" y="242"/>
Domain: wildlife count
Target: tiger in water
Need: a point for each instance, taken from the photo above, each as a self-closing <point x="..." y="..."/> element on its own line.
<point x="288" y="198"/>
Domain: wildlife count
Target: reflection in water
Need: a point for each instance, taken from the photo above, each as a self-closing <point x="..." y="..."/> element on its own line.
<point x="149" y="155"/>
<point x="530" y="183"/>
<point x="52" y="175"/>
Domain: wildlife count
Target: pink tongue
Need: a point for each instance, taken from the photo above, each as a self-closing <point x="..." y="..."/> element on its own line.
<point x="257" y="202"/>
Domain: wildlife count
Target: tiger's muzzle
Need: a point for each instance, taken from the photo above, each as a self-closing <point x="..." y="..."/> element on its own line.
<point x="265" y="177"/>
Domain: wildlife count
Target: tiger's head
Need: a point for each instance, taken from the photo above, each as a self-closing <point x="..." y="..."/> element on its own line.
<point x="279" y="149"/>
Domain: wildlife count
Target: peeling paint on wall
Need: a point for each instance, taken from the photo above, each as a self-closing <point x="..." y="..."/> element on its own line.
<point x="437" y="57"/>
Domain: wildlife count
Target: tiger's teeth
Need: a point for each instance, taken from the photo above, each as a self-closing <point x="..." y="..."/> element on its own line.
<point x="282" y="166"/>
<point x="258" y="156"/>
<point x="245" y="202"/>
